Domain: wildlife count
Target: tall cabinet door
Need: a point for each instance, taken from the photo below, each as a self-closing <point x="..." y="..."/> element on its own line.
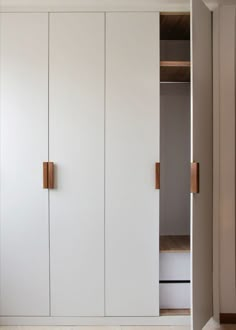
<point x="24" y="241"/>
<point x="202" y="147"/>
<point x="77" y="147"/>
<point x="132" y="149"/>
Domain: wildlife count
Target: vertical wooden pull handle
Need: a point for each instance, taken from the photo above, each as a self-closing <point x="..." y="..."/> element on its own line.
<point x="48" y="175"/>
<point x="158" y="181"/>
<point x="45" y="175"/>
<point x="195" y="178"/>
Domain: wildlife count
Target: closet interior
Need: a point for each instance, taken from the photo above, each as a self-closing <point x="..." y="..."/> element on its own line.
<point x="175" y="163"/>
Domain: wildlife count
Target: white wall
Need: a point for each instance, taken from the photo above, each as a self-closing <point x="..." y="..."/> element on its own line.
<point x="175" y="158"/>
<point x="175" y="50"/>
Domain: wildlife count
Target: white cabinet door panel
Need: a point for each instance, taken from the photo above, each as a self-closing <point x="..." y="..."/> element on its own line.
<point x="24" y="249"/>
<point x="77" y="148"/>
<point x="132" y="149"/>
<point x="202" y="150"/>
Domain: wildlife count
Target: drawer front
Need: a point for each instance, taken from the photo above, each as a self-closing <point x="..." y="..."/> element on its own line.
<point x="174" y="266"/>
<point x="174" y="295"/>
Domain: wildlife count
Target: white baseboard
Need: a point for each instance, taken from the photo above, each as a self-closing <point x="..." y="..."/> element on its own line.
<point x="93" y="321"/>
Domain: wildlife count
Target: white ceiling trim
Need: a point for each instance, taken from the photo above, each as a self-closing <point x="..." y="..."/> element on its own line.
<point x="100" y="5"/>
<point x="94" y="5"/>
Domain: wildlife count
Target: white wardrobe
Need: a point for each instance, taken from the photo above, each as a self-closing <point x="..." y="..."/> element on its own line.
<point x="81" y="91"/>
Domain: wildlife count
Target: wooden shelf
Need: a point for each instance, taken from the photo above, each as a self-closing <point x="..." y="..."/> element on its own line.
<point x="167" y="312"/>
<point x="171" y="64"/>
<point x="175" y="244"/>
<point x="175" y="26"/>
<point x="175" y="71"/>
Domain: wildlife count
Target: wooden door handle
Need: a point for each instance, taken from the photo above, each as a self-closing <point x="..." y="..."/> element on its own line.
<point x="45" y="175"/>
<point x="158" y="177"/>
<point x="195" y="178"/>
<point x="48" y="175"/>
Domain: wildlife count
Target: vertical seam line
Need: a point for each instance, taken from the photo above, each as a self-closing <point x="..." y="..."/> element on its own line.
<point x="49" y="222"/>
<point x="104" y="164"/>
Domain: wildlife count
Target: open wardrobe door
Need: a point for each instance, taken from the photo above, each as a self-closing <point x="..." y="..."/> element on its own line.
<point x="201" y="153"/>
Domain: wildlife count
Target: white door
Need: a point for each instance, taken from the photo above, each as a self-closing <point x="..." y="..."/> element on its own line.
<point x="76" y="136"/>
<point x="24" y="249"/>
<point x="202" y="152"/>
<point x="132" y="149"/>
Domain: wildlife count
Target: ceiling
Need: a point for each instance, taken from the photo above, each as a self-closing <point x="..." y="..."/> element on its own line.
<point x="161" y="5"/>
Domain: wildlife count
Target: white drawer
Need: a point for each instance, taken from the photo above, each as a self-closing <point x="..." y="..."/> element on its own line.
<point x="174" y="295"/>
<point x="174" y="266"/>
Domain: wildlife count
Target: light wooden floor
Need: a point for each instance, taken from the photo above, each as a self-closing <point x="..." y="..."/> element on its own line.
<point x="211" y="326"/>
<point x="94" y="328"/>
<point x="221" y="327"/>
